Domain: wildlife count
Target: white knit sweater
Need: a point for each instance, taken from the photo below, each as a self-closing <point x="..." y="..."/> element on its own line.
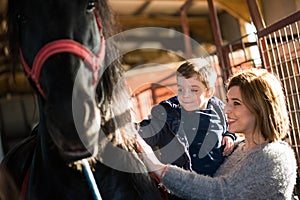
<point x="265" y="172"/>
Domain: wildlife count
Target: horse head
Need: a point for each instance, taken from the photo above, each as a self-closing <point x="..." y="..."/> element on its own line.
<point x="62" y="48"/>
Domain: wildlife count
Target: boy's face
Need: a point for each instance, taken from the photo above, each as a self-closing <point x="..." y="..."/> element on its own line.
<point x="192" y="94"/>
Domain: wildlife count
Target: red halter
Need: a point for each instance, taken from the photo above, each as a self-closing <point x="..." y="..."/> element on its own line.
<point x="65" y="46"/>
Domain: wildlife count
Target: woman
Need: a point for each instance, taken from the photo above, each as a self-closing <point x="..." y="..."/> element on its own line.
<point x="262" y="167"/>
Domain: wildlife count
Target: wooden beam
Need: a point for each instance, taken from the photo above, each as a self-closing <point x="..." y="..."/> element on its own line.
<point x="199" y="26"/>
<point x="142" y="8"/>
<point x="157" y="0"/>
<point x="159" y="21"/>
<point x="237" y="8"/>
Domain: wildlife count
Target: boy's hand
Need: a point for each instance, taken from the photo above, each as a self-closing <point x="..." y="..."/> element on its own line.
<point x="227" y="141"/>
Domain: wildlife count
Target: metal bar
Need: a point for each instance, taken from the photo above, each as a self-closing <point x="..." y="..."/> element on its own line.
<point x="281" y="41"/>
<point x="286" y="78"/>
<point x="295" y="97"/>
<point x="279" y="25"/>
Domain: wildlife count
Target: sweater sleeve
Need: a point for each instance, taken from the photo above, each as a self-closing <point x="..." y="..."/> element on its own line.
<point x="190" y="185"/>
<point x="268" y="173"/>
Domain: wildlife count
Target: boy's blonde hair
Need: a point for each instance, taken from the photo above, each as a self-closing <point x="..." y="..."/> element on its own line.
<point x="263" y="95"/>
<point x="201" y="68"/>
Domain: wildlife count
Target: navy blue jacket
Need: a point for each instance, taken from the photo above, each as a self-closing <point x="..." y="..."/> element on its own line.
<point x="191" y="140"/>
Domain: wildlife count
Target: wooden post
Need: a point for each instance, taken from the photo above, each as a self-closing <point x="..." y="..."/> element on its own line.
<point x="223" y="62"/>
<point x="185" y="27"/>
<point x="255" y="15"/>
<point x="259" y="25"/>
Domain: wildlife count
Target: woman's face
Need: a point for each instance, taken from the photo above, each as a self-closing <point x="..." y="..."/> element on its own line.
<point x="239" y="117"/>
<point x="192" y="93"/>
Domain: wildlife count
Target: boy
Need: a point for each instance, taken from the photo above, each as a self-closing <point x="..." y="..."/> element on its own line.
<point x="190" y="129"/>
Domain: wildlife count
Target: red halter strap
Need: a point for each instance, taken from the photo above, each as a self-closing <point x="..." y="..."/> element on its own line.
<point x="65" y="46"/>
<point x="24" y="185"/>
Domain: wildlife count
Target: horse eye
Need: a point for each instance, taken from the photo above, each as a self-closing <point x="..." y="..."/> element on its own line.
<point x="90" y="7"/>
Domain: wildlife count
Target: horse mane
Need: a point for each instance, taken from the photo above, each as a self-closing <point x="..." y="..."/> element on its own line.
<point x="114" y="100"/>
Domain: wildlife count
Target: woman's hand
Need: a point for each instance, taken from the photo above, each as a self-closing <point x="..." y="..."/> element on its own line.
<point x="150" y="160"/>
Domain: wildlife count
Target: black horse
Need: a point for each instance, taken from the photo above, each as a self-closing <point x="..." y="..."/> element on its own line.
<point x="84" y="108"/>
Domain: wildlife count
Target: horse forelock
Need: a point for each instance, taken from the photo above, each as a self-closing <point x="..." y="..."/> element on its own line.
<point x="111" y="89"/>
